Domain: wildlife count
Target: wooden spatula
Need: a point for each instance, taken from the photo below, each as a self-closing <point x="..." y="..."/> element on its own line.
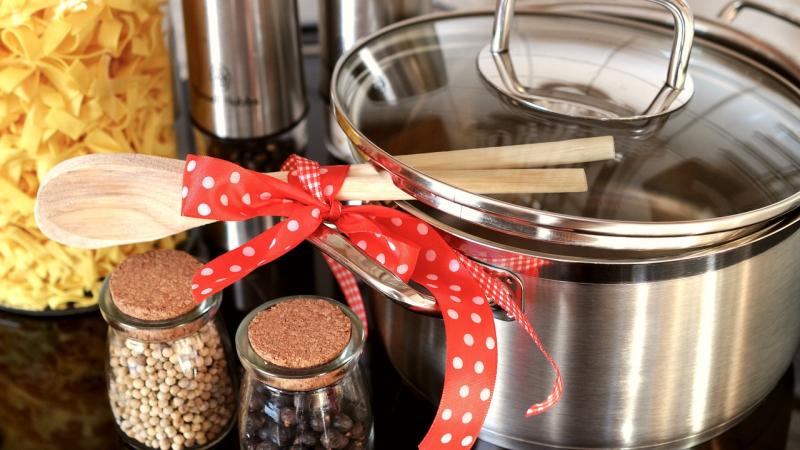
<point x="111" y="199"/>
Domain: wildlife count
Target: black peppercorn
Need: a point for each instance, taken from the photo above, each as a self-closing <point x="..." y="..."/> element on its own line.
<point x="256" y="403"/>
<point x="264" y="433"/>
<point x="333" y="439"/>
<point x="342" y="422"/>
<point x="282" y="436"/>
<point x="307" y="438"/>
<point x="357" y="431"/>
<point x="288" y="417"/>
<point x="320" y="422"/>
<point x="253" y="424"/>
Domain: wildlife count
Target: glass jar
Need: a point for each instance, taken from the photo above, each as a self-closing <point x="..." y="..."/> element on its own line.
<point x="322" y="406"/>
<point x="171" y="383"/>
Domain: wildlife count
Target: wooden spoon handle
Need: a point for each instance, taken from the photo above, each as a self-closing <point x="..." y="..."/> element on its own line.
<point x="111" y="199"/>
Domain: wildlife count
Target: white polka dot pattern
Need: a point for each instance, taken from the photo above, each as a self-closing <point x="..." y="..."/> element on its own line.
<point x="469" y="340"/>
<point x="402" y="243"/>
<point x="203" y="209"/>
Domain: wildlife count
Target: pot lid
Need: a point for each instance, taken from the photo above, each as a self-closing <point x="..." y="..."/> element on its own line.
<point x="725" y="158"/>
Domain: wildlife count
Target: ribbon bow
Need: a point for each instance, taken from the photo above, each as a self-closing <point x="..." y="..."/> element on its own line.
<point x="403" y="244"/>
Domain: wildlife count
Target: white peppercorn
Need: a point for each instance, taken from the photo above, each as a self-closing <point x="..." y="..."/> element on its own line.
<point x="193" y="408"/>
<point x="162" y="380"/>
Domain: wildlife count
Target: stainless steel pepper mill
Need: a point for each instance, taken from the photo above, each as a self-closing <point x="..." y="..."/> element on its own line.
<point x="248" y="104"/>
<point x="245" y="66"/>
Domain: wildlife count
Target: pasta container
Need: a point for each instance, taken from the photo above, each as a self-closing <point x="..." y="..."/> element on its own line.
<point x="76" y="77"/>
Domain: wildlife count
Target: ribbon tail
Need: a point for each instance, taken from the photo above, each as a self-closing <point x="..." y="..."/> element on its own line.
<point x="558" y="385"/>
<point x="268" y="246"/>
<point x="499" y="293"/>
<point x="349" y="285"/>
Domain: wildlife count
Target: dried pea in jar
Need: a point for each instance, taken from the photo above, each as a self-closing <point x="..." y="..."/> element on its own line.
<point x="303" y="385"/>
<point x="170" y="374"/>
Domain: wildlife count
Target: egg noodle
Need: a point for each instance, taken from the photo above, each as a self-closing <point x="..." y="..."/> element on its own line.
<point x="76" y="77"/>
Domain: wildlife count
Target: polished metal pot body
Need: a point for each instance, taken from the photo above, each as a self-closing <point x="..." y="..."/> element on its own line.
<point x="654" y="353"/>
<point x="667" y="331"/>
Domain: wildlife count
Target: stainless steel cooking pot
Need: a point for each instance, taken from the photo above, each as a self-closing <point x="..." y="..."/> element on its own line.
<point x="668" y="292"/>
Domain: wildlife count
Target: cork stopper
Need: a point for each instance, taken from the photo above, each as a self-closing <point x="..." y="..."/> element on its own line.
<point x="299" y="333"/>
<point x="155" y="285"/>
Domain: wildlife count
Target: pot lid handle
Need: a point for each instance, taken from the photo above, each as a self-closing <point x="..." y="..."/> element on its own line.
<point x="729" y="13"/>
<point x="496" y="64"/>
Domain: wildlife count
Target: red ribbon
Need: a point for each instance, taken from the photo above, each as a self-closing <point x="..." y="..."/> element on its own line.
<point x="403" y="244"/>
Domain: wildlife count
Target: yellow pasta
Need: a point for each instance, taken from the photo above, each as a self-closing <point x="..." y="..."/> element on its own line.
<point x="76" y="77"/>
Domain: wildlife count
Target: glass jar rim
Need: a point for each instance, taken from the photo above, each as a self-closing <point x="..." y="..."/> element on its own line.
<point x="347" y="357"/>
<point x="124" y="322"/>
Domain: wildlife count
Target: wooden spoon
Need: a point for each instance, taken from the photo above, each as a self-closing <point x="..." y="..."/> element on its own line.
<point x="112" y="199"/>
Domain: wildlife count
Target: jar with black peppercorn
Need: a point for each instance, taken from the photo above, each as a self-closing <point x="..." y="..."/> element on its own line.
<point x="170" y="379"/>
<point x="303" y="386"/>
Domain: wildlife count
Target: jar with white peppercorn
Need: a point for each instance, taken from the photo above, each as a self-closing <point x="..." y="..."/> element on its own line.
<point x="303" y="387"/>
<point x="171" y="383"/>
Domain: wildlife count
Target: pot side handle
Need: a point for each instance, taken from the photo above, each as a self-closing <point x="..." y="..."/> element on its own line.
<point x="338" y="247"/>
<point x="729" y="13"/>
<point x="344" y="252"/>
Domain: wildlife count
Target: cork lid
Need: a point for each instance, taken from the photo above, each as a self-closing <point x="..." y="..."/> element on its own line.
<point x="300" y="333"/>
<point x="155" y="285"/>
